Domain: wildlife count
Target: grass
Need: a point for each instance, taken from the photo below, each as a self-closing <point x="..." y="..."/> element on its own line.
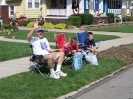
<point x="129" y="44"/>
<point x="21" y="34"/>
<point x="12" y="50"/>
<point x="123" y="28"/>
<point x="34" y="86"/>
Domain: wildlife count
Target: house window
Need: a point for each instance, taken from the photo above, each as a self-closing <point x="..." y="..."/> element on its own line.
<point x="33" y="4"/>
<point x="29" y="3"/>
<point x="11" y="9"/>
<point x="36" y="3"/>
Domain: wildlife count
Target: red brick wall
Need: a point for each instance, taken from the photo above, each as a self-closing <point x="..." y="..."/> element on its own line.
<point x="96" y="20"/>
<point x="4" y="13"/>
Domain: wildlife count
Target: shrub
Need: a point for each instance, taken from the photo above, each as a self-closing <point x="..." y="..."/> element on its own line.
<point x="76" y="20"/>
<point x="127" y="18"/>
<point x="24" y="22"/>
<point x="6" y="26"/>
<point x="14" y="28"/>
<point x="48" y="25"/>
<point x="110" y="17"/>
<point x="31" y="24"/>
<point x="60" y="26"/>
<point x="86" y="18"/>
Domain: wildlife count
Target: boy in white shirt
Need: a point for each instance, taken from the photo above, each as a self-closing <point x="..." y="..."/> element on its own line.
<point x="41" y="47"/>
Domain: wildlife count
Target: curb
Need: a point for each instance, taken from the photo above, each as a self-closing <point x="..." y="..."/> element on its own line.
<point x="87" y="86"/>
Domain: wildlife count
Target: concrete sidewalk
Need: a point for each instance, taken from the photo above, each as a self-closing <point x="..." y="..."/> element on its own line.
<point x="77" y="30"/>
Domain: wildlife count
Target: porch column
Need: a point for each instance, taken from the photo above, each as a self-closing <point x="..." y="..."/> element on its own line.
<point x="123" y="3"/>
<point x="81" y="6"/>
<point x="3" y="2"/>
<point x="91" y="6"/>
<point x="68" y="7"/>
<point x="124" y="8"/>
<point x="131" y="7"/>
<point x="130" y="4"/>
<point x="105" y="6"/>
<point x="101" y="6"/>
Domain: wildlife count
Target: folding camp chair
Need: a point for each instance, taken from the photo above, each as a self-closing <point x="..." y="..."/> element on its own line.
<point x="62" y="44"/>
<point x="82" y="36"/>
<point x="37" y="60"/>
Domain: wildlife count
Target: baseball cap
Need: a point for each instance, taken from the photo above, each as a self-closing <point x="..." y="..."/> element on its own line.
<point x="40" y="29"/>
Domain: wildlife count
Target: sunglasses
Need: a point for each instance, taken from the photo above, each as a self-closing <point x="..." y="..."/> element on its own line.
<point x="40" y="31"/>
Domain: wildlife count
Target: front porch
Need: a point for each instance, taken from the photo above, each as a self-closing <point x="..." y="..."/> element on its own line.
<point x="119" y="7"/>
<point x="56" y="12"/>
<point x="63" y="8"/>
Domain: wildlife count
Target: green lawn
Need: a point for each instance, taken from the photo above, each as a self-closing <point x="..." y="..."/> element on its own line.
<point x="129" y="44"/>
<point x="21" y="34"/>
<point x="123" y="28"/>
<point x="12" y="50"/>
<point x="34" y="86"/>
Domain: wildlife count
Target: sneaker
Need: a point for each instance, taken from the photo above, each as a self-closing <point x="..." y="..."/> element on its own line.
<point x="54" y="75"/>
<point x="60" y="73"/>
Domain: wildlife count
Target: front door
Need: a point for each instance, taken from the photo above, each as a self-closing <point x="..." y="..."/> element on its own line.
<point x="11" y="10"/>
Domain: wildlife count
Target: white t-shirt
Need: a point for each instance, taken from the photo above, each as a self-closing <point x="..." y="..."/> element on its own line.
<point x="40" y="46"/>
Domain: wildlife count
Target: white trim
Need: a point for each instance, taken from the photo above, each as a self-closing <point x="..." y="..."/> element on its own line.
<point x="56" y="12"/>
<point x="87" y="4"/>
<point x="123" y="3"/>
<point x="68" y="7"/>
<point x="81" y="6"/>
<point x="3" y="2"/>
<point x="11" y="4"/>
<point x="101" y="6"/>
<point x="56" y="17"/>
<point x="33" y="5"/>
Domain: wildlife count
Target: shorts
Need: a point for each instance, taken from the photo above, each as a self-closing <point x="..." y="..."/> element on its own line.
<point x="53" y="54"/>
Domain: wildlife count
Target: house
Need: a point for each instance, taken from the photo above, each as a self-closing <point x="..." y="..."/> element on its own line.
<point x="120" y="7"/>
<point x="62" y="9"/>
<point x="45" y="8"/>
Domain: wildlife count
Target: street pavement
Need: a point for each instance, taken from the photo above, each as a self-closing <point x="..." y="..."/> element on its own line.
<point x="119" y="87"/>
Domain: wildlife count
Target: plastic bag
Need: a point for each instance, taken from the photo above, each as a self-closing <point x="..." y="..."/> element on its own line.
<point x="77" y="60"/>
<point x="90" y="57"/>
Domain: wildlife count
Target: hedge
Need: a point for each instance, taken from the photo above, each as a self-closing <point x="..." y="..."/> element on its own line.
<point x="110" y="17"/>
<point x="76" y="20"/>
<point x="86" y="18"/>
<point x="127" y="18"/>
